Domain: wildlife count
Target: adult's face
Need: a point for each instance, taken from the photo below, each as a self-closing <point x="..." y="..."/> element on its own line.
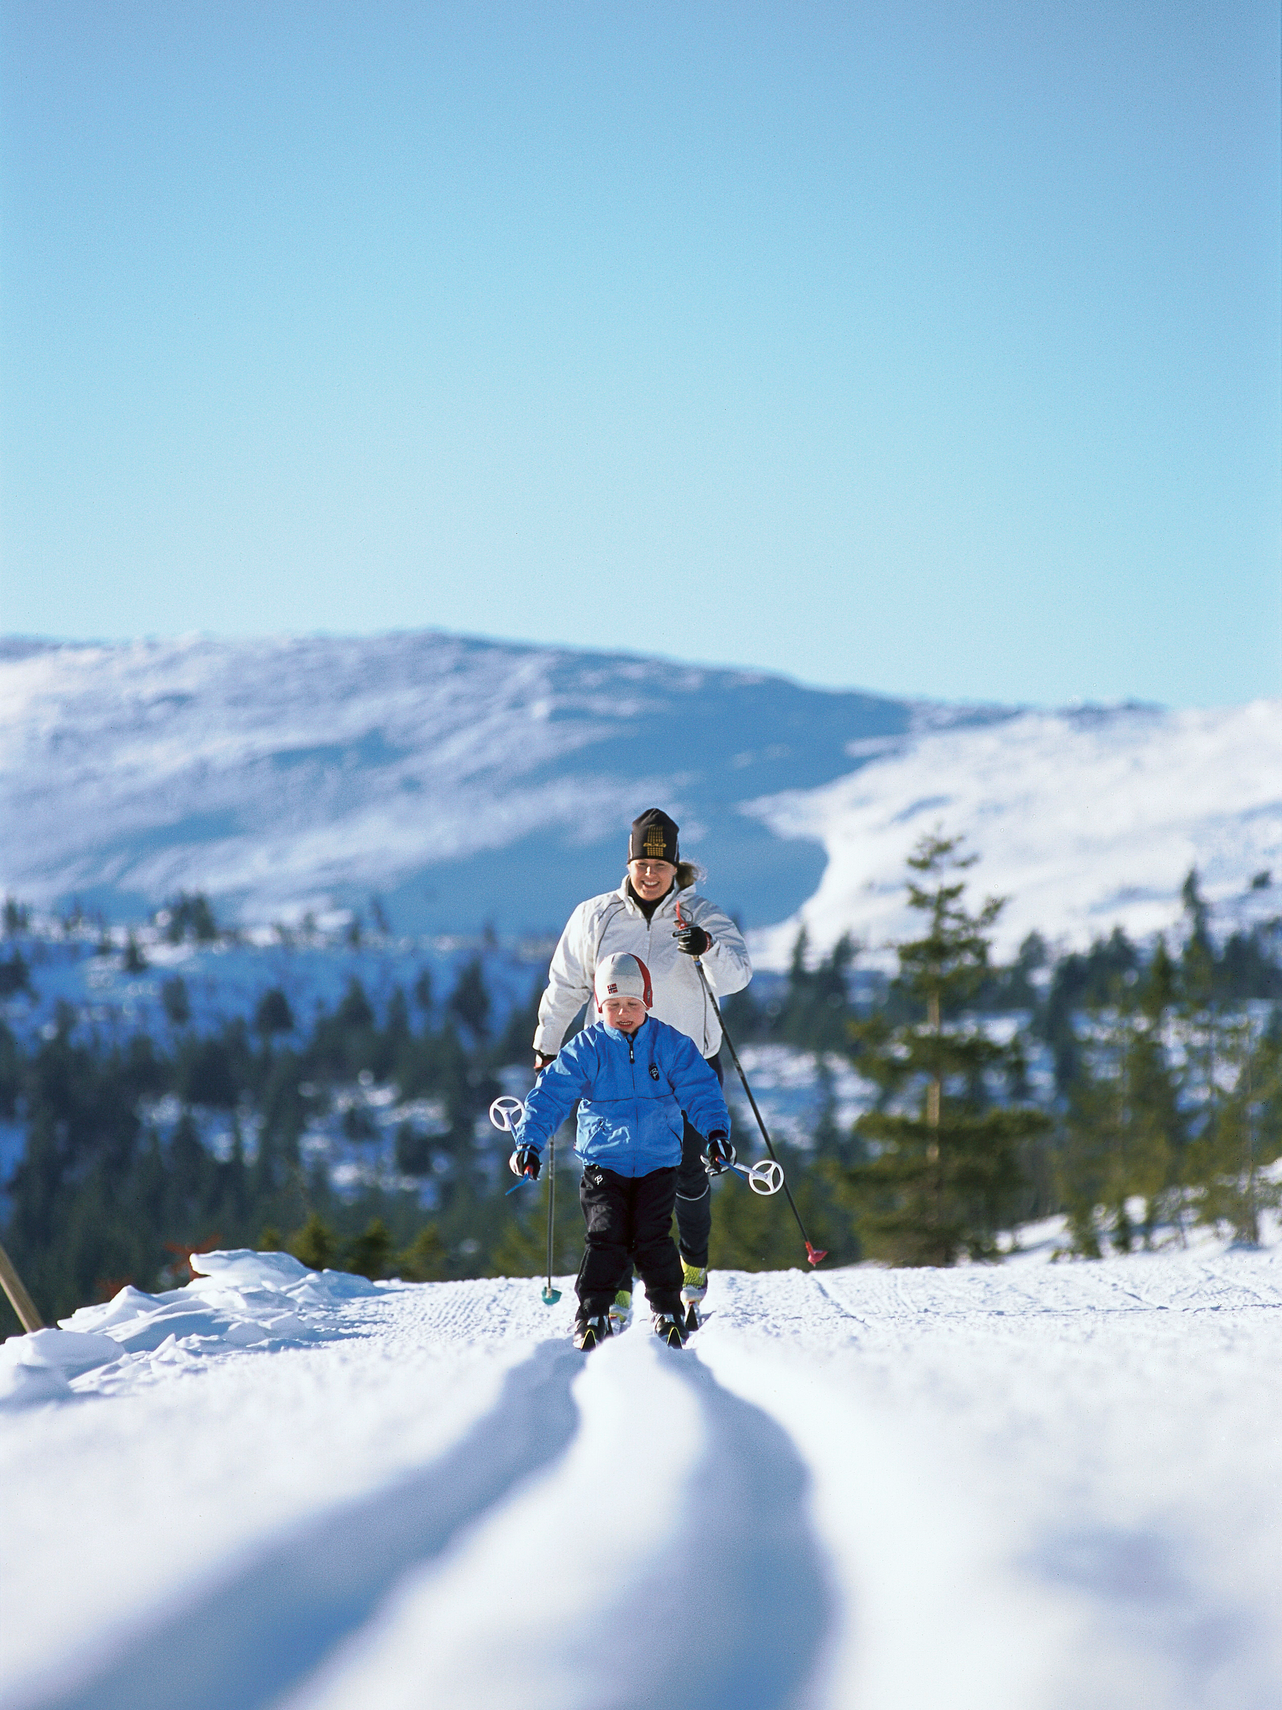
<point x="651" y="879"/>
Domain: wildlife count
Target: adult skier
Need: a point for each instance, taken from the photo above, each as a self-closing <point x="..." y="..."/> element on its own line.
<point x="641" y="919"/>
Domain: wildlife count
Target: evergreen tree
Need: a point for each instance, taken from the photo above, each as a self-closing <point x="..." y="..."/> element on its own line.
<point x="175" y="1001"/>
<point x="425" y="1259"/>
<point x="14" y="975"/>
<point x="413" y="1150"/>
<point x="1124" y="1131"/>
<point x="470" y="1001"/>
<point x="1240" y="1129"/>
<point x="943" y="1174"/>
<point x="515" y="1044"/>
<point x="368" y="1253"/>
<point x="273" y="1014"/>
<point x="816" y="1011"/>
<point x="190" y="915"/>
<point x="314" y="1244"/>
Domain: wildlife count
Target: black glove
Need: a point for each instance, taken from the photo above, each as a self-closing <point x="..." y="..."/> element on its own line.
<point x="542" y="1059"/>
<point x="525" y="1161"/>
<point x="692" y="940"/>
<point x="718" y="1154"/>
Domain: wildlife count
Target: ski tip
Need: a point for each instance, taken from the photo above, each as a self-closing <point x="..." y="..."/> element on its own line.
<point x="692" y="1319"/>
<point x="815" y="1254"/>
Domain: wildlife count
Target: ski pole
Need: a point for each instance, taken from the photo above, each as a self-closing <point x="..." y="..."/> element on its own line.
<point x="551" y="1295"/>
<point x="504" y="1114"/>
<point x="19" y="1299"/>
<point x="813" y="1254"/>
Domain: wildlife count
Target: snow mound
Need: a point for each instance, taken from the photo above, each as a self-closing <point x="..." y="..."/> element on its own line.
<point x="37" y="1367"/>
<point x="240" y="1300"/>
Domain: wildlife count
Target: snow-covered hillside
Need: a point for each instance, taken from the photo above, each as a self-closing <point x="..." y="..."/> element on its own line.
<point x="468" y="782"/>
<point x="465" y="781"/>
<point x="1084" y="820"/>
<point x="1050" y="1487"/>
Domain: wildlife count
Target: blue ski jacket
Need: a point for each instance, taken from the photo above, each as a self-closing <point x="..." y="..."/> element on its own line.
<point x="632" y="1092"/>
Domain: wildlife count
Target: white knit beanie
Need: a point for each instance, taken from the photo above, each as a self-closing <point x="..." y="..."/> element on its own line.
<point x="622" y="975"/>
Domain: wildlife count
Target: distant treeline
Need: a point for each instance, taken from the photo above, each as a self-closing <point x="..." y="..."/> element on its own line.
<point x="1162" y="1103"/>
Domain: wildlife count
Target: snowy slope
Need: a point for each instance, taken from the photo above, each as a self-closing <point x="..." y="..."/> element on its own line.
<point x="466" y="781"/>
<point x="1051" y="1487"/>
<point x="447" y="774"/>
<point x="1084" y="820"/>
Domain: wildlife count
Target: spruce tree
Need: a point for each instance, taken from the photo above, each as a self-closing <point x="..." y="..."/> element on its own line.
<point x="943" y="1172"/>
<point x="1239" y="1127"/>
<point x="1124" y="1131"/>
<point x="425" y="1259"/>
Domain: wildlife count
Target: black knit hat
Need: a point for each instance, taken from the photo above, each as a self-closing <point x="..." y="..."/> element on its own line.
<point x="654" y="837"/>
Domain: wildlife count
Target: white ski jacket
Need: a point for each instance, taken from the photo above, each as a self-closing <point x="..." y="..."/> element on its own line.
<point x="613" y="922"/>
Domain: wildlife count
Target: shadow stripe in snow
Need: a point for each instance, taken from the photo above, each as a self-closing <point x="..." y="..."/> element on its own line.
<point x="242" y="1643"/>
<point x="734" y="1615"/>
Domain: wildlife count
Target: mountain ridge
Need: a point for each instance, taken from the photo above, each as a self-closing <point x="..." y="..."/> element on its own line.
<point x="465" y="781"/>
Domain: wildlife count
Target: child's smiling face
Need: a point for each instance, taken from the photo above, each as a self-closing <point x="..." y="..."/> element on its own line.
<point x="624" y="1013"/>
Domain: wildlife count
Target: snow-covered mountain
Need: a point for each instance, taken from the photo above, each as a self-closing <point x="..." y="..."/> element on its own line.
<point x="466" y="782"/>
<point x="1084" y="820"/>
<point x="1051" y="1487"/>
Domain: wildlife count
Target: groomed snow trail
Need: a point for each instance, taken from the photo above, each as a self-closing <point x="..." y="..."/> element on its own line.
<point x="1051" y="1487"/>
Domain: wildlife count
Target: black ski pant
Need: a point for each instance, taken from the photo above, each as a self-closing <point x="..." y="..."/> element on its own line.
<point x="694" y="1190"/>
<point x="628" y="1215"/>
<point x="694" y="1195"/>
<point x="694" y="1198"/>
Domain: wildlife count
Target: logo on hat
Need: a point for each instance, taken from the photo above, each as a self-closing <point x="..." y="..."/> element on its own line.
<point x="654" y="843"/>
<point x="622" y="975"/>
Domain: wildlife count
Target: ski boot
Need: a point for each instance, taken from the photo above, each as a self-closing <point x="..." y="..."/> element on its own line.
<point x="693" y="1290"/>
<point x="589" y="1331"/>
<point x="620" y="1313"/>
<point x="667" y="1327"/>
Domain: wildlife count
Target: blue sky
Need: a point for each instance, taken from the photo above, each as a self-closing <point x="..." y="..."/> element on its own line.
<point x="928" y="348"/>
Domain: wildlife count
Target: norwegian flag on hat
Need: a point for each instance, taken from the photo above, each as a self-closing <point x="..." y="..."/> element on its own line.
<point x="623" y="975"/>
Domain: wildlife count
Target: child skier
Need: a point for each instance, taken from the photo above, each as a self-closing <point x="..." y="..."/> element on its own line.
<point x="633" y="1076"/>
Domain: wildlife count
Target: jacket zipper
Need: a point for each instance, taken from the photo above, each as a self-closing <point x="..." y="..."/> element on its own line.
<point x="636" y="1102"/>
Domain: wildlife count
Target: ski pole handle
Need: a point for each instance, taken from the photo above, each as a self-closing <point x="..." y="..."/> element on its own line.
<point x="505" y="1113"/>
